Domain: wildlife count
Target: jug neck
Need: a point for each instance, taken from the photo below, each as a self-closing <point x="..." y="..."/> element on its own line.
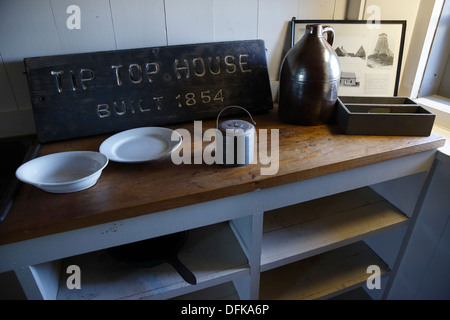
<point x="314" y="29"/>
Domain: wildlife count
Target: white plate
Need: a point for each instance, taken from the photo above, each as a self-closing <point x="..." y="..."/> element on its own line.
<point x="64" y="171"/>
<point x="141" y="144"/>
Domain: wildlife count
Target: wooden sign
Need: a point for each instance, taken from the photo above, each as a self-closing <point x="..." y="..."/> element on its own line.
<point x="86" y="94"/>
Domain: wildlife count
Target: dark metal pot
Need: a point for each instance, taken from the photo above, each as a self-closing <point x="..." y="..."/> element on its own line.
<point x="152" y="252"/>
<point x="309" y="79"/>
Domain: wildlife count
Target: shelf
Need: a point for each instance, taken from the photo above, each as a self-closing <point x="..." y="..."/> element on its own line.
<point x="322" y="276"/>
<point x="212" y="253"/>
<point x="355" y="294"/>
<point x="306" y="229"/>
<point x="310" y="250"/>
<point x="224" y="291"/>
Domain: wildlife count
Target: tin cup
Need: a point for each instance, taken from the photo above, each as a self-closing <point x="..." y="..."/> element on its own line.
<point x="238" y="138"/>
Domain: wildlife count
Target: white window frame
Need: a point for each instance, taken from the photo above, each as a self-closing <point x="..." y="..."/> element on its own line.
<point x="431" y="68"/>
<point x="435" y="53"/>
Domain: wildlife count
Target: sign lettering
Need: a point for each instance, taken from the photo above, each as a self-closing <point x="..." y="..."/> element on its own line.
<point x="93" y="93"/>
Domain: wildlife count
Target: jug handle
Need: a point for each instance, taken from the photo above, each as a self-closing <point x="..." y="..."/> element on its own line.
<point x="330" y="36"/>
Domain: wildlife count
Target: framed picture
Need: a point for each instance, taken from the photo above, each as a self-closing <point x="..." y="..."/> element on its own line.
<point x="370" y="54"/>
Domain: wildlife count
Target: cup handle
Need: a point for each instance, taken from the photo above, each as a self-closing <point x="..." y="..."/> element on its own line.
<point x="330" y="36"/>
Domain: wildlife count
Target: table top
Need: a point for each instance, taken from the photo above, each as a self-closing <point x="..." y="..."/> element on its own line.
<point x="127" y="190"/>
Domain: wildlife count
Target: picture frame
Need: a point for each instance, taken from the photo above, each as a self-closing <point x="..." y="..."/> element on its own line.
<point x="370" y="54"/>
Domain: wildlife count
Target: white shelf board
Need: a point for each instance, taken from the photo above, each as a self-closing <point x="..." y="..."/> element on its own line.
<point x="309" y="228"/>
<point x="212" y="253"/>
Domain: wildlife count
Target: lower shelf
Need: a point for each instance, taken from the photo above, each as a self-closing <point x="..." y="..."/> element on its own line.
<point x="310" y="228"/>
<point x="322" y="276"/>
<point x="227" y="291"/>
<point x="224" y="291"/>
<point x="212" y="253"/>
<point x="308" y="251"/>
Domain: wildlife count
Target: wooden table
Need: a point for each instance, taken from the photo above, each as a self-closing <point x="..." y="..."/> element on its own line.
<point x="313" y="162"/>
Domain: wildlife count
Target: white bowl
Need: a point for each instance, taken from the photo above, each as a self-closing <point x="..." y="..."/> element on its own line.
<point x="63" y="172"/>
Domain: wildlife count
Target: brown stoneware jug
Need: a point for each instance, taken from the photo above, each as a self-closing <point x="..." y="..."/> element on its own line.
<point x="309" y="79"/>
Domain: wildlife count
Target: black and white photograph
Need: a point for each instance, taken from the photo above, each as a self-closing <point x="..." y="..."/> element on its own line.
<point x="370" y="55"/>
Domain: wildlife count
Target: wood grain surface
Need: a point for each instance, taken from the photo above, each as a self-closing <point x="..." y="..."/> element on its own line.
<point x="129" y="190"/>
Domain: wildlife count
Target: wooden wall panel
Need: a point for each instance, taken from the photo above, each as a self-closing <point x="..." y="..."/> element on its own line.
<point x="273" y="22"/>
<point x="318" y="9"/>
<point x="235" y="20"/>
<point x="96" y="30"/>
<point x="27" y="29"/>
<point x="189" y="21"/>
<point x="138" y="23"/>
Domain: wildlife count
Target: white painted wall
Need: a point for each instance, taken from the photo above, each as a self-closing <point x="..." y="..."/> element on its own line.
<point x="423" y="271"/>
<point x="30" y="28"/>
